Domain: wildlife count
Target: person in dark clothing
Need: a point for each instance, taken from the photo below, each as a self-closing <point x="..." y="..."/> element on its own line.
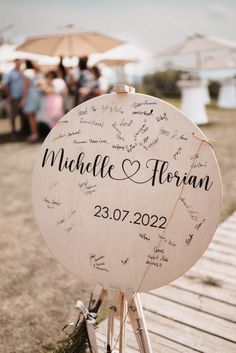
<point x="86" y="79"/>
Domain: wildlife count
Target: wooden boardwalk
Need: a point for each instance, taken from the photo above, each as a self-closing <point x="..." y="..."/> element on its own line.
<point x="197" y="312"/>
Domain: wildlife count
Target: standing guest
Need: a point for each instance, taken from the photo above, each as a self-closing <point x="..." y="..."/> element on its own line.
<point x="61" y="70"/>
<point x="15" y="87"/>
<point x="32" y="101"/>
<point x="54" y="91"/>
<point x="4" y="109"/>
<point x="97" y="87"/>
<point x="100" y="83"/>
<point x="72" y="82"/>
<point x="86" y="80"/>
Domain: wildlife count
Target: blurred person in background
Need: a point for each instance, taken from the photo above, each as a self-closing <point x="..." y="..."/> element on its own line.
<point x="4" y="109"/>
<point x="61" y="70"/>
<point x="53" y="95"/>
<point x="31" y="104"/>
<point x="98" y="85"/>
<point x="72" y="79"/>
<point x="16" y="90"/>
<point x="86" y="80"/>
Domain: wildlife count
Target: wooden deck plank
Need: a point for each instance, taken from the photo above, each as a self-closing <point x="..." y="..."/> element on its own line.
<point x="218" y="267"/>
<point x="167" y="345"/>
<point x="189" y="316"/>
<point x="195" y="284"/>
<point x="225" y="236"/>
<point x="221" y="247"/>
<point x="229" y="226"/>
<point x="222" y="239"/>
<point x="231" y="222"/>
<point x="227" y="240"/>
<point x="227" y="232"/>
<point x="217" y="256"/>
<point x="198" y="302"/>
<point x="219" y="278"/>
<point x="195" y="339"/>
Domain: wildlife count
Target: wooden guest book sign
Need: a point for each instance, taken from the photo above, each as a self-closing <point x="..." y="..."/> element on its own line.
<point x="127" y="192"/>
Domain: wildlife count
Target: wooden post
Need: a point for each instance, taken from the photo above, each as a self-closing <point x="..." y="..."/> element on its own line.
<point x="114" y="297"/>
<point x="137" y="320"/>
<point x="110" y="331"/>
<point x="123" y="320"/>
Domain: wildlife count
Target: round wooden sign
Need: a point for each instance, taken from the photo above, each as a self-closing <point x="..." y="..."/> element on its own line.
<point x="127" y="192"/>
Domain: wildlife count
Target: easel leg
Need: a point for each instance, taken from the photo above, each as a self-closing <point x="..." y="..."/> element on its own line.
<point x="123" y="319"/>
<point x="110" y="330"/>
<point x="137" y="320"/>
<point x="92" y="337"/>
<point x="115" y="310"/>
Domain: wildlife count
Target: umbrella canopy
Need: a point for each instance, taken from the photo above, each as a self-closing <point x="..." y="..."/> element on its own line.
<point x="69" y="43"/>
<point x="227" y="61"/>
<point x="122" y="55"/>
<point x="9" y="53"/>
<point x="198" y="43"/>
<point x="222" y="62"/>
<point x="119" y="57"/>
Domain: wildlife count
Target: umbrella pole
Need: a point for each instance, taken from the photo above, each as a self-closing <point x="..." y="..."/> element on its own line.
<point x="199" y="60"/>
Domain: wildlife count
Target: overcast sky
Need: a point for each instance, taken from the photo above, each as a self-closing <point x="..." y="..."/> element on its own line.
<point x="152" y="24"/>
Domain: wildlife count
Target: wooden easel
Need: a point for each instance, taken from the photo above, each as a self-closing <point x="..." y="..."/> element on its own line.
<point x="123" y="305"/>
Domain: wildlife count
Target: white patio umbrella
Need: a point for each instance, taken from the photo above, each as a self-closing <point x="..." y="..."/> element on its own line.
<point x="220" y="62"/>
<point x="194" y="93"/>
<point x="69" y="42"/>
<point x="9" y="53"/>
<point x="117" y="58"/>
<point x="226" y="61"/>
<point x="123" y="54"/>
<point x="197" y="44"/>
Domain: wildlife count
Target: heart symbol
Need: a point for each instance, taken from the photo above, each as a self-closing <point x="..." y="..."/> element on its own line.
<point x="130" y="168"/>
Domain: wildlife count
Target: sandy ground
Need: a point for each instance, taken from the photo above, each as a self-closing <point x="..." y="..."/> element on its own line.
<point x="36" y="293"/>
